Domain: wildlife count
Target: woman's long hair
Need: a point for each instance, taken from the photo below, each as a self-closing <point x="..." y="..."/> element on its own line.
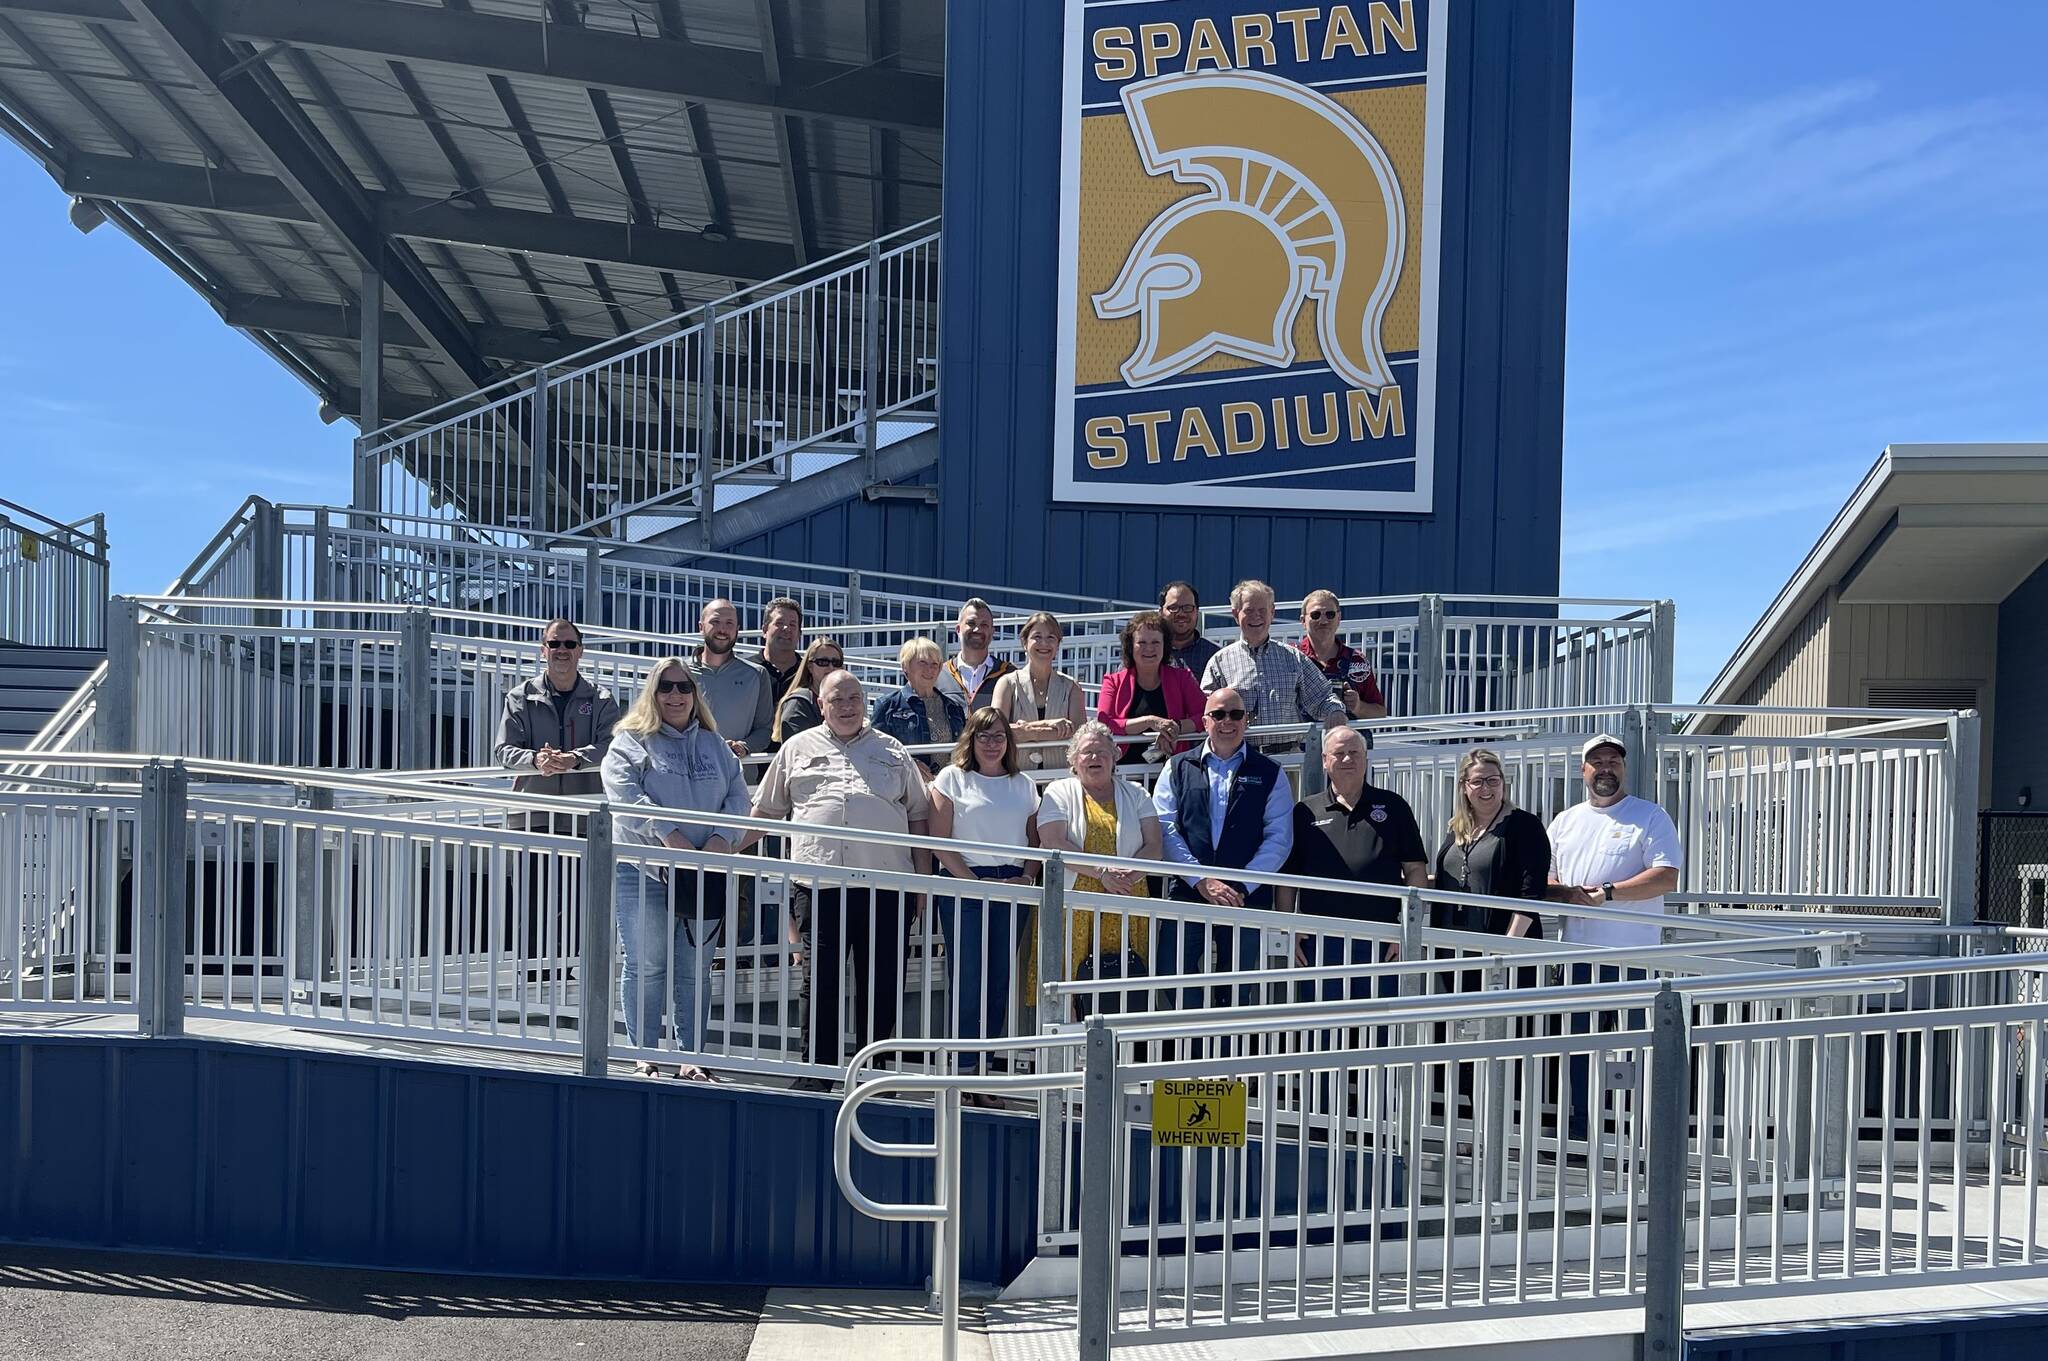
<point x="644" y="718"/>
<point x="1464" y="823"/>
<point x="982" y="720"/>
<point x="802" y="681"/>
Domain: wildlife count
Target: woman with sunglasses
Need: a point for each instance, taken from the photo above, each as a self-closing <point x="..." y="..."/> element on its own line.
<point x="797" y="711"/>
<point x="666" y="755"/>
<point x="982" y="796"/>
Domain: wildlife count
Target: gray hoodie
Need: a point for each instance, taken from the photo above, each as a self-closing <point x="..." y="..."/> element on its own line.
<point x="680" y="769"/>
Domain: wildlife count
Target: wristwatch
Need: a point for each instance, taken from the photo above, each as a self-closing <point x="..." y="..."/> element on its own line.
<point x="1607" y="892"/>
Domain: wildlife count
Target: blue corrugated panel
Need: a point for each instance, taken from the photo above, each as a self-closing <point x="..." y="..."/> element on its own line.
<point x="2015" y="1334"/>
<point x="250" y="1151"/>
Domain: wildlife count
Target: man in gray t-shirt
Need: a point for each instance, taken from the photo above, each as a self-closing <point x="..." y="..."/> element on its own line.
<point x="739" y="694"/>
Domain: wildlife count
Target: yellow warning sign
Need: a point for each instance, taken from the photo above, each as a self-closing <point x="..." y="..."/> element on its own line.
<point x="1202" y="1112"/>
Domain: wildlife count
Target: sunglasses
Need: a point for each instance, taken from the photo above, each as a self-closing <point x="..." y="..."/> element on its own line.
<point x="675" y="688"/>
<point x="562" y="644"/>
<point x="1322" y="614"/>
<point x="828" y="662"/>
<point x="1226" y="715"/>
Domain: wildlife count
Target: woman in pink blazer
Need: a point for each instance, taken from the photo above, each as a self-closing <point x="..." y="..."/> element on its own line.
<point x="1149" y="695"/>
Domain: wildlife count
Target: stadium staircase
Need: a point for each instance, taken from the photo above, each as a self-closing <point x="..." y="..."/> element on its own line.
<point x="701" y="430"/>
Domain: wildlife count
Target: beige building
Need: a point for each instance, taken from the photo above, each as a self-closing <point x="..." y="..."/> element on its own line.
<point x="1926" y="591"/>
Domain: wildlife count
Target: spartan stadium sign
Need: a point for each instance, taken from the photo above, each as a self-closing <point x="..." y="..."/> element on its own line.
<point x="1248" y="253"/>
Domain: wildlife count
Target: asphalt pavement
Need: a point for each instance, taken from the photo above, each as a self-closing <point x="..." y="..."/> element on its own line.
<point x="104" y="1306"/>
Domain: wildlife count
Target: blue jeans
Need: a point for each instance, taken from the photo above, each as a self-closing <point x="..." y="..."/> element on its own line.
<point x="980" y="942"/>
<point x="659" y="962"/>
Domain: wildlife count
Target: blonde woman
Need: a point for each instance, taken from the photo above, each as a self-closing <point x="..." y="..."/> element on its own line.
<point x="919" y="713"/>
<point x="1042" y="704"/>
<point x="667" y="758"/>
<point x="1494" y="848"/>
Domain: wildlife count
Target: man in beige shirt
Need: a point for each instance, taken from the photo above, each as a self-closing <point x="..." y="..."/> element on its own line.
<point x="845" y="774"/>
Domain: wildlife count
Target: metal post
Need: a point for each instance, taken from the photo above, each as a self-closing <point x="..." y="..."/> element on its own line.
<point x="1966" y="736"/>
<point x="416" y="691"/>
<point x="115" y="712"/>
<point x="1495" y="1134"/>
<point x="321" y="585"/>
<point x="853" y="600"/>
<point x="1670" y="1114"/>
<point x="707" y="426"/>
<point x="871" y="364"/>
<point x="1429" y="654"/>
<point x="1412" y="923"/>
<point x="310" y="868"/>
<point x="160" y="882"/>
<point x="1836" y="1151"/>
<point x="370" y="354"/>
<point x="593" y="586"/>
<point x="594" y="957"/>
<point x="1663" y="638"/>
<point x="266" y="542"/>
<point x="1100" y="1124"/>
<point x="946" y="1249"/>
<point x="1645" y="768"/>
<point x="1052" y="1126"/>
<point x="540" y="440"/>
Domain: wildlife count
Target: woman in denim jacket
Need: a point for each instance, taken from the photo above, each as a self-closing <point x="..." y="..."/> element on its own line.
<point x="919" y="713"/>
<point x="666" y="754"/>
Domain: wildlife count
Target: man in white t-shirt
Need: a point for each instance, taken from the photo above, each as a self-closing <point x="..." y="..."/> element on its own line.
<point x="1613" y="849"/>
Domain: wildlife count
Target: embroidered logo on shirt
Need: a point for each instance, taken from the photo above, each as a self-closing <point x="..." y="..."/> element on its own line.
<point x="1379" y="812"/>
<point x="585" y="709"/>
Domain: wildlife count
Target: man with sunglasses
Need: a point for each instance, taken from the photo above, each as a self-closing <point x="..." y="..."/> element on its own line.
<point x="556" y="727"/>
<point x="1349" y="671"/>
<point x="1222" y="807"/>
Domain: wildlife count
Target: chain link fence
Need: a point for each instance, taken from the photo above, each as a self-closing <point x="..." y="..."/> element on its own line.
<point x="2012" y="869"/>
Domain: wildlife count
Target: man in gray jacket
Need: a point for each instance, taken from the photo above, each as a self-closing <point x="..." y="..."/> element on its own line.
<point x="556" y="727"/>
<point x="738" y="692"/>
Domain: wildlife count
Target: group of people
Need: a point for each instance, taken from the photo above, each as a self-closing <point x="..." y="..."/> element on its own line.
<point x="1222" y="808"/>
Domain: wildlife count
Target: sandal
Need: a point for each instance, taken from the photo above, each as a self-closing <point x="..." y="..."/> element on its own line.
<point x="690" y="1072"/>
<point x="642" y="1068"/>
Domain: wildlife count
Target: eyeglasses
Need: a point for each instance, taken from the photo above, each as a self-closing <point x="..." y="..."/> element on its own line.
<point x="562" y="644"/>
<point x="1322" y="614"/>
<point x="675" y="688"/>
<point x="1226" y="715"/>
<point x="1485" y="782"/>
<point x="827" y="662"/>
<point x="992" y="735"/>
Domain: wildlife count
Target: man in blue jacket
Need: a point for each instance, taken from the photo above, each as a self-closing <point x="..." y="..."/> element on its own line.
<point x="1222" y="807"/>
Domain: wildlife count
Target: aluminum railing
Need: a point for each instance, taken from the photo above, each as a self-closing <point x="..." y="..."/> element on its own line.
<point x="652" y="425"/>
<point x="330" y="898"/>
<point x="53" y="579"/>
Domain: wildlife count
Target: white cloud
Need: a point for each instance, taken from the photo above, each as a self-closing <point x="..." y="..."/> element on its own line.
<point x="1804" y="155"/>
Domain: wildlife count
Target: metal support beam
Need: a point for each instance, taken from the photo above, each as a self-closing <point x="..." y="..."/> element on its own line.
<point x="327" y="321"/>
<point x="594" y="967"/>
<point x="1664" y="1283"/>
<point x="114" y="712"/>
<point x="160" y="882"/>
<point x="707" y="426"/>
<point x="602" y="59"/>
<point x="1101" y="1121"/>
<point x="309" y="169"/>
<point x="1429" y="655"/>
<point x="1966" y="735"/>
<point x="416" y="691"/>
<point x="370" y="324"/>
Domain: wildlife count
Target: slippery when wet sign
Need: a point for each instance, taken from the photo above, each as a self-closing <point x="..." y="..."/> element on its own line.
<point x="1203" y="1112"/>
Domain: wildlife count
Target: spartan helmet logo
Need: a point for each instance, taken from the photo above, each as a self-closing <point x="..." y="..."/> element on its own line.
<point x="1302" y="203"/>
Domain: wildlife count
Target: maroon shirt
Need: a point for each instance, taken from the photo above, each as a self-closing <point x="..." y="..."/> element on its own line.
<point x="1349" y="667"/>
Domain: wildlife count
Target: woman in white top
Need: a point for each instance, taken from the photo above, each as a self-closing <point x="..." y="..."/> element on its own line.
<point x="1093" y="812"/>
<point x="1043" y="705"/>
<point x="982" y="796"/>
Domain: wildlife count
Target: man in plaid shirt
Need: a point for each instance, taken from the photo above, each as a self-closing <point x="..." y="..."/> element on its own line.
<point x="1279" y="684"/>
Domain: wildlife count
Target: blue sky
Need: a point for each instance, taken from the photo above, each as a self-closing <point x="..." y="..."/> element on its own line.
<point x="1790" y="246"/>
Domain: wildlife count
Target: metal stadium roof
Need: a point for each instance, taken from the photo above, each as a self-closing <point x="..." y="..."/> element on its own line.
<point x="518" y="178"/>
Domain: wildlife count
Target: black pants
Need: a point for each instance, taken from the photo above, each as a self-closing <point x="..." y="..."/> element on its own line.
<point x="1583" y="1100"/>
<point x="866" y="923"/>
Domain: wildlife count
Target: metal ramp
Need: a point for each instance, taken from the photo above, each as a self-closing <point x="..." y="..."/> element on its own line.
<point x="825" y="379"/>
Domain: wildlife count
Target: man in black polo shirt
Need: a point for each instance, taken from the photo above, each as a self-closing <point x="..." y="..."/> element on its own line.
<point x="1354" y="832"/>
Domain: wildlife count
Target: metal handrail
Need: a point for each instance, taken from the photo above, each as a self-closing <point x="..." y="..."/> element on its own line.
<point x="680" y="321"/>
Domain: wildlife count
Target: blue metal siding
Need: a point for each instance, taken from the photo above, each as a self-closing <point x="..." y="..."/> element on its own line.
<point x="1500" y="373"/>
<point x="872" y="536"/>
<point x="249" y="1151"/>
<point x="2016" y="1334"/>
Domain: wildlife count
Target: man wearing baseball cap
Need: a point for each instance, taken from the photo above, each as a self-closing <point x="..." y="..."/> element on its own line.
<point x="1612" y="850"/>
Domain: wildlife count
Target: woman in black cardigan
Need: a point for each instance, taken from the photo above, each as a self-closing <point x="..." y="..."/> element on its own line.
<point x="1493" y="848"/>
